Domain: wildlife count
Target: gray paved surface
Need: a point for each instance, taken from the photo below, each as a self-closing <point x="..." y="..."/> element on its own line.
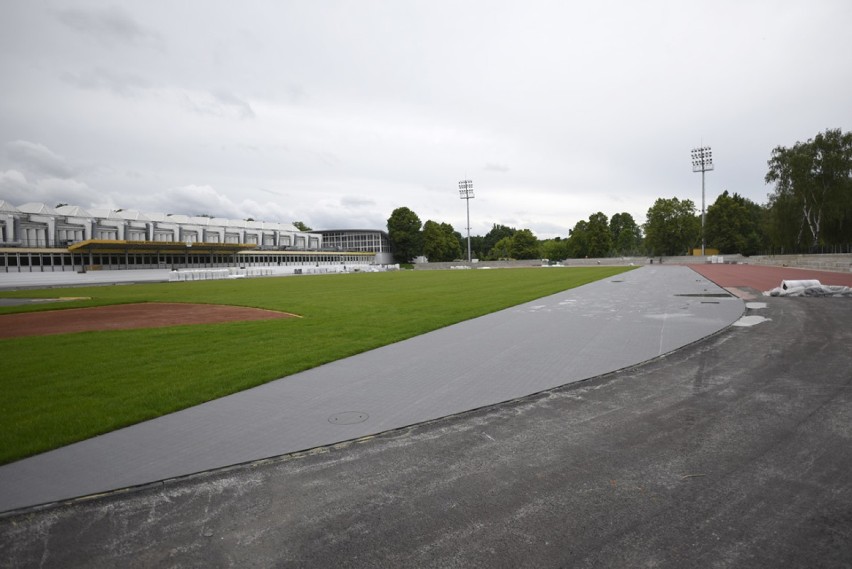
<point x="581" y="333"/>
<point x="735" y="451"/>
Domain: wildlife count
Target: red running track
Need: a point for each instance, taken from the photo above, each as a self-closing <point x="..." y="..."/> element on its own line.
<point x="762" y="278"/>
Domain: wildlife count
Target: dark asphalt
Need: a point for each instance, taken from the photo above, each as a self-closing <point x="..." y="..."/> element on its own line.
<point x="735" y="451"/>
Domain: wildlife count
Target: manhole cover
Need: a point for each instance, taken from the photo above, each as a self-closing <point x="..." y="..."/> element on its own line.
<point x="348" y="418"/>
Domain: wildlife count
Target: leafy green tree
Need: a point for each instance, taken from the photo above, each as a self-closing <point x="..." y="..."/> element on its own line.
<point x="477" y="246"/>
<point x="404" y="234"/>
<point x="440" y="242"/>
<point x="524" y="245"/>
<point x="555" y="249"/>
<point x="672" y="228"/>
<point x="497" y="233"/>
<point x="733" y="225"/>
<point x="578" y="240"/>
<point x="590" y="238"/>
<point x="502" y="249"/>
<point x="626" y="234"/>
<point x="301" y="226"/>
<point x="780" y="223"/>
<point x="815" y="176"/>
<point x="599" y="238"/>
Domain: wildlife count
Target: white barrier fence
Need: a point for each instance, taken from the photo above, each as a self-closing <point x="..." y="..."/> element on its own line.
<point x="215" y="274"/>
<point x="182" y="275"/>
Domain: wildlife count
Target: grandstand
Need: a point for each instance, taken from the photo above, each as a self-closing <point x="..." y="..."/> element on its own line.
<point x="37" y="237"/>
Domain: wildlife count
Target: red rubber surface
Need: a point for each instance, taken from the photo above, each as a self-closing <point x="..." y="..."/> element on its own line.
<point x="762" y="278"/>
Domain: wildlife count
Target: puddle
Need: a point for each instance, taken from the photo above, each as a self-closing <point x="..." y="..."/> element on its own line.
<point x="751" y="320"/>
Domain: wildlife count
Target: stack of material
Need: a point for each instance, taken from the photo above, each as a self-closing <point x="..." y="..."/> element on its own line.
<point x="808" y="288"/>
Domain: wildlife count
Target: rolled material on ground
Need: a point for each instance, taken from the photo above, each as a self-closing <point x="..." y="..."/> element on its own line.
<point x="800" y="284"/>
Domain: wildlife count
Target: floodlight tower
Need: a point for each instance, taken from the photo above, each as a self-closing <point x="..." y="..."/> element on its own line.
<point x="702" y="161"/>
<point x="466" y="193"/>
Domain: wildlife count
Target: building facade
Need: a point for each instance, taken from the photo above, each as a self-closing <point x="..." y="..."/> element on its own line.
<point x="37" y="237"/>
<point x="362" y="240"/>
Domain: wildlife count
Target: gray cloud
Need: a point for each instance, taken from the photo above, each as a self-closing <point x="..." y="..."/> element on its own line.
<point x="492" y="167"/>
<point x="38" y="159"/>
<point x="98" y="78"/>
<point x="218" y="104"/>
<point x="15" y="188"/>
<point x="111" y="25"/>
<point x="356" y="202"/>
<point x="227" y="99"/>
<point x="119" y="83"/>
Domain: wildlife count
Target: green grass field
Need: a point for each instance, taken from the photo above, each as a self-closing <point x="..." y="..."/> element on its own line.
<point x="64" y="388"/>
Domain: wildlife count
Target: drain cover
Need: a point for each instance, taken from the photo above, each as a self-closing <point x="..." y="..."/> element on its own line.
<point x="707" y="295"/>
<point x="348" y="418"/>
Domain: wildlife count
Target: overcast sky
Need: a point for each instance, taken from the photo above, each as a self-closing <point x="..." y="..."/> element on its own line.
<point x="337" y="112"/>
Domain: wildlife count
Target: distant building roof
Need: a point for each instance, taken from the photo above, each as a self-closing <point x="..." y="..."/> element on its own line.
<point x="105" y="213"/>
<point x="132" y="215"/>
<point x="6" y="207"/>
<point x="73" y="211"/>
<point x="37" y="208"/>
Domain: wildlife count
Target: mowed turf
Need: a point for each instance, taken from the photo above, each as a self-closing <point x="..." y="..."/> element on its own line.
<point x="64" y="388"/>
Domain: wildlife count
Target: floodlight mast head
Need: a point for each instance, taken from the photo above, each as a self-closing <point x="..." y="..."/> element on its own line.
<point x="702" y="159"/>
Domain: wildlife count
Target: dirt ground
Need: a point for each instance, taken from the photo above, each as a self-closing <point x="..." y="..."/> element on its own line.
<point x="127" y="316"/>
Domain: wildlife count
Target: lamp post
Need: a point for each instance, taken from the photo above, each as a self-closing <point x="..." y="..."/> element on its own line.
<point x="466" y="193"/>
<point x="702" y="161"/>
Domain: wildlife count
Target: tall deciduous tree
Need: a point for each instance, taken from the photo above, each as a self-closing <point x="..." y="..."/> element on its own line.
<point x="734" y="225"/>
<point x="300" y="225"/>
<point x="502" y="249"/>
<point x="599" y="239"/>
<point x="555" y="249"/>
<point x="578" y="240"/>
<point x="497" y="233"/>
<point x="524" y="245"/>
<point x="404" y="234"/>
<point x="626" y="234"/>
<point x="671" y="227"/>
<point x="590" y="238"/>
<point x="440" y="242"/>
<point x="815" y="176"/>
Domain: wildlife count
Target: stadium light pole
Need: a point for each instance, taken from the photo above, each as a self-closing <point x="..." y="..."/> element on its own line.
<point x="466" y="193"/>
<point x="702" y="161"/>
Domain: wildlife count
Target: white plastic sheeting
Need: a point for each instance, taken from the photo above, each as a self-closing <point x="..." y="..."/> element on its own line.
<point x="808" y="288"/>
<point x="786" y="285"/>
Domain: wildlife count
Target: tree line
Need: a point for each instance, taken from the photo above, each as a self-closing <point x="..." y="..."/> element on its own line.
<point x="809" y="210"/>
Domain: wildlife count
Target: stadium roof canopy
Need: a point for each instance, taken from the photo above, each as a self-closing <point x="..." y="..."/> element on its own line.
<point x="111" y="246"/>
